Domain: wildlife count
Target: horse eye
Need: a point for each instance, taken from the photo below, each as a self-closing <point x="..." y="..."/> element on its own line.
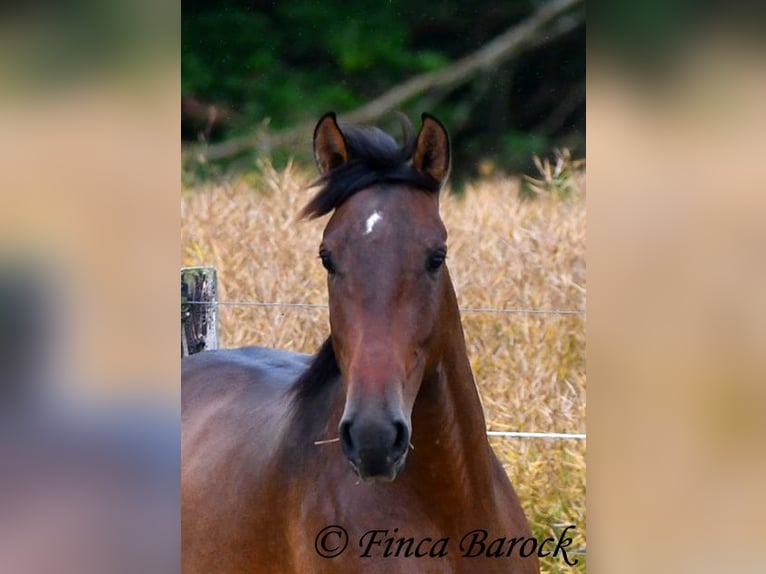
<point x="327" y="262"/>
<point x="435" y="261"/>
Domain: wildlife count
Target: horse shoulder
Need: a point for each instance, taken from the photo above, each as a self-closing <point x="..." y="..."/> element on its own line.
<point x="234" y="408"/>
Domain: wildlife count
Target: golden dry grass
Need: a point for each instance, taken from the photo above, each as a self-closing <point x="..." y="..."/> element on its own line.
<point x="504" y="253"/>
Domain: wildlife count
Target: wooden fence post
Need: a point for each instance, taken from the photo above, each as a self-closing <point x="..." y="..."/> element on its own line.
<point x="199" y="311"/>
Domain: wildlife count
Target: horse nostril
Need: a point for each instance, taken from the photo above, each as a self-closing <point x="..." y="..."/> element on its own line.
<point x="402" y="440"/>
<point x="344" y="432"/>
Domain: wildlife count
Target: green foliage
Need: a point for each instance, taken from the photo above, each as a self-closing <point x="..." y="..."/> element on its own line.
<point x="285" y="63"/>
<point x="519" y="147"/>
<point x="297" y="58"/>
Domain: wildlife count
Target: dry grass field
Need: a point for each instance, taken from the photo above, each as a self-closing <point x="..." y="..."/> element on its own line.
<point x="504" y="253"/>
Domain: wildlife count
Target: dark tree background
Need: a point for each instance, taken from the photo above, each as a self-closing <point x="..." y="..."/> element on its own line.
<point x="255" y="64"/>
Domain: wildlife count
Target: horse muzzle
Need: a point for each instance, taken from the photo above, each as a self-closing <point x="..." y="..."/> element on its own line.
<point x="376" y="449"/>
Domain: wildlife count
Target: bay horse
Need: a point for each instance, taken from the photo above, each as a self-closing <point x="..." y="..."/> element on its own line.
<point x="371" y="455"/>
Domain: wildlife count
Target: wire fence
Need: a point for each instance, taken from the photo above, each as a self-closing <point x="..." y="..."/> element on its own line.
<point x="524" y="434"/>
<point x="508" y="311"/>
<point x="209" y="279"/>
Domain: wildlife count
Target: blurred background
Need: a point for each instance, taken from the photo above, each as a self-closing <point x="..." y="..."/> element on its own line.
<point x="676" y="284"/>
<point x="508" y="78"/>
<point x="89" y="179"/>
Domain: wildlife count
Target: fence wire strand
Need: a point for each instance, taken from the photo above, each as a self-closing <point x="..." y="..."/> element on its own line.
<point x="511" y="311"/>
<point x="524" y="434"/>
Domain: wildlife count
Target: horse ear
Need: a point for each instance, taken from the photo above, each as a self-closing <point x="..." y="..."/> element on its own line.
<point x="330" y="150"/>
<point x="432" y="149"/>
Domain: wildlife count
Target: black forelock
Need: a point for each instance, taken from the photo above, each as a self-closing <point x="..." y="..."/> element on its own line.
<point x="374" y="157"/>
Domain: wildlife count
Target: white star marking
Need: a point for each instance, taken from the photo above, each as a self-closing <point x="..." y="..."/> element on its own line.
<point x="371" y="221"/>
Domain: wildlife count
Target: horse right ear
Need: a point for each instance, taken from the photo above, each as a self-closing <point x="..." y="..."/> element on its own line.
<point x="432" y="150"/>
<point x="330" y="150"/>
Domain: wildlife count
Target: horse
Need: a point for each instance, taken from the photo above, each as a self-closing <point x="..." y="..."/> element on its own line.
<point x="372" y="454"/>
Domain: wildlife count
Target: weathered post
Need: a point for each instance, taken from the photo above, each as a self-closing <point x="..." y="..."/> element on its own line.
<point x="199" y="312"/>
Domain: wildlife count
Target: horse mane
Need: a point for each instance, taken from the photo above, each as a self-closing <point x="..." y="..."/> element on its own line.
<point x="322" y="370"/>
<point x="374" y="158"/>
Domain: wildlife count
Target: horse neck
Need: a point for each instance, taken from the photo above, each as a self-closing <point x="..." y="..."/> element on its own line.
<point x="452" y="457"/>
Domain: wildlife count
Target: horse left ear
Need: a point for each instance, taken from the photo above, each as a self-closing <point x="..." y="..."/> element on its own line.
<point x="432" y="149"/>
<point x="330" y="150"/>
